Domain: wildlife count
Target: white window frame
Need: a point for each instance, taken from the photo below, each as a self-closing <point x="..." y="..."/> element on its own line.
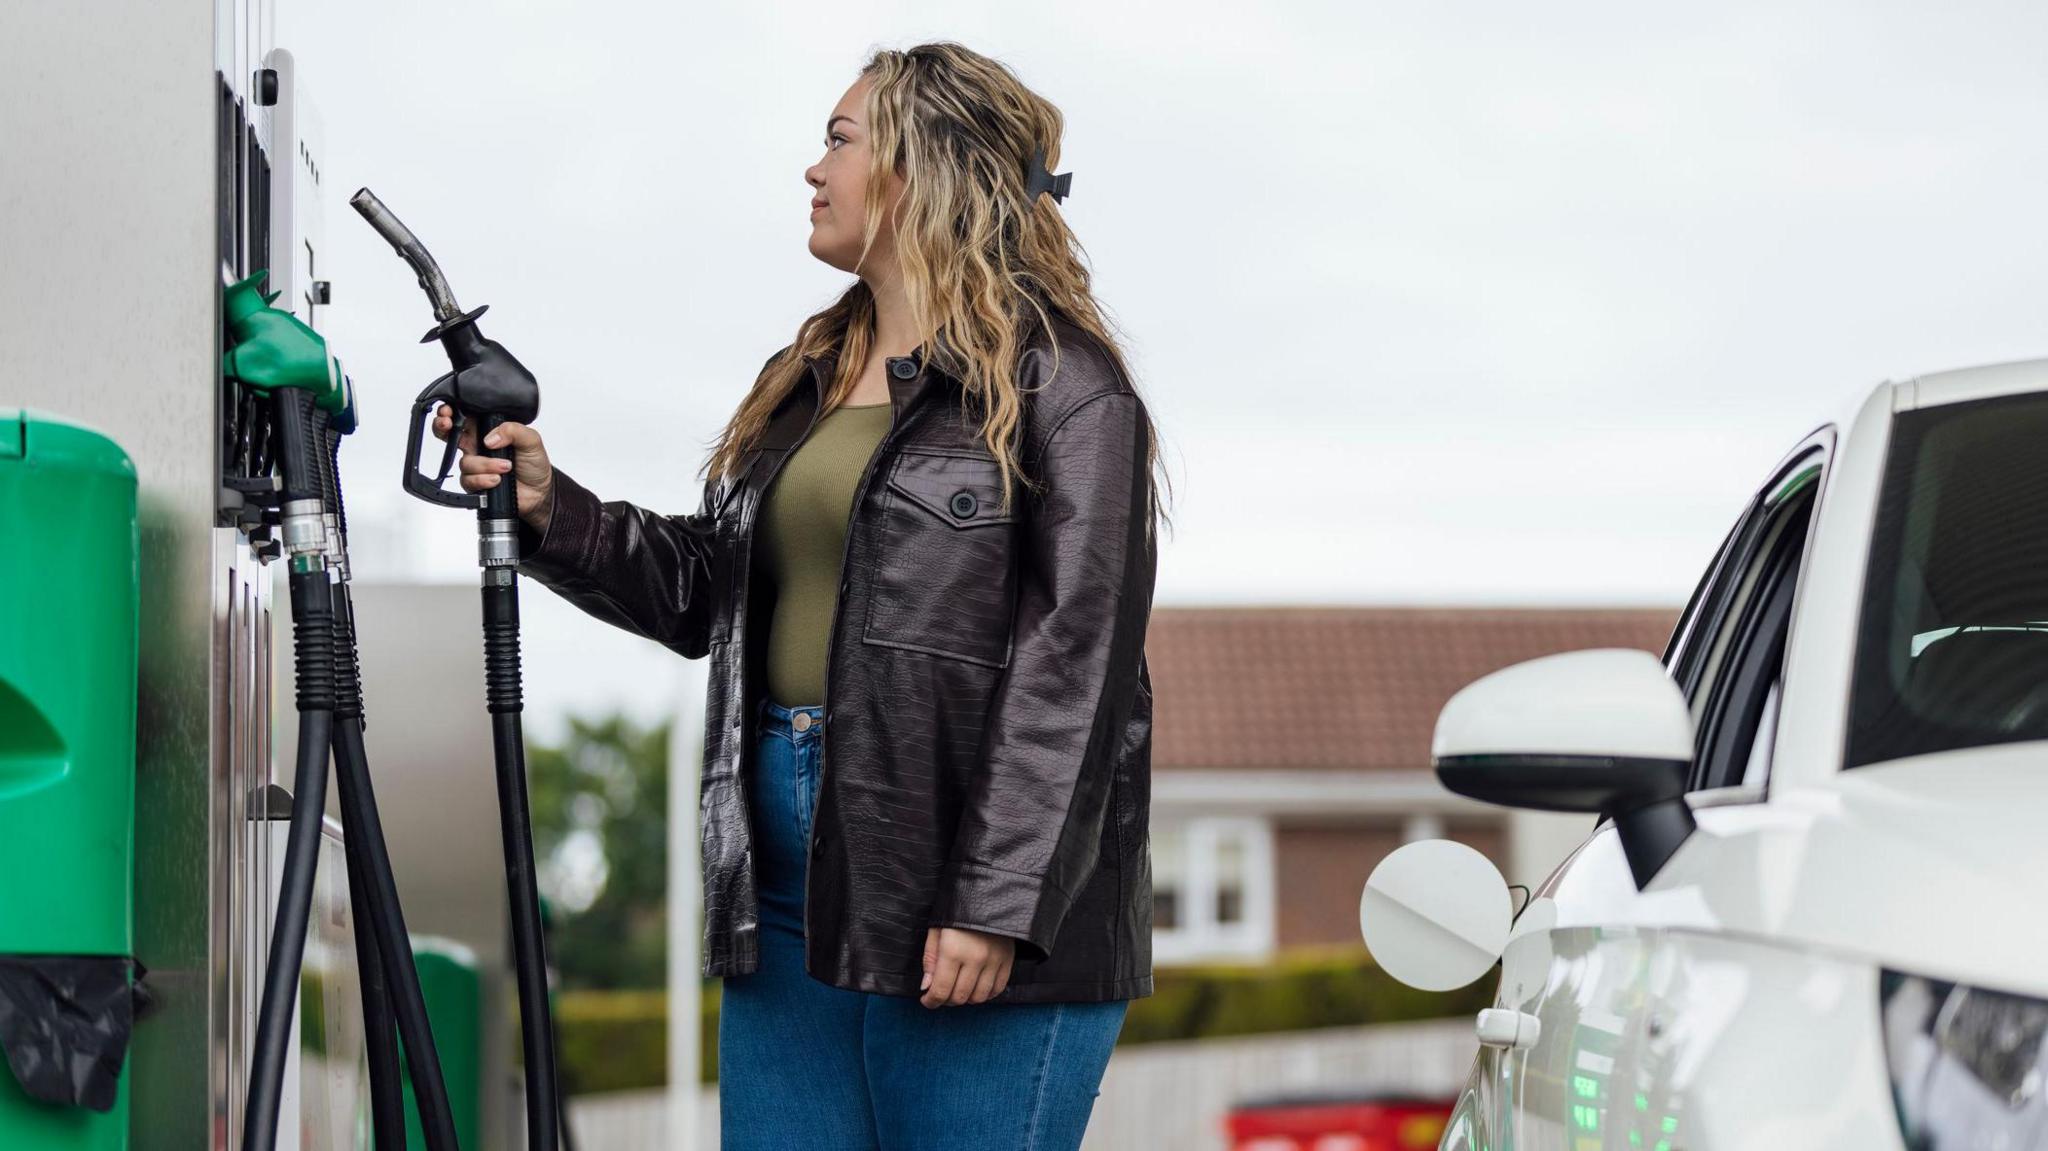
<point x="1199" y="937"/>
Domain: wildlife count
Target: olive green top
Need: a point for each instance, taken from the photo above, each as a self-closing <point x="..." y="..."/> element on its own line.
<point x="802" y="540"/>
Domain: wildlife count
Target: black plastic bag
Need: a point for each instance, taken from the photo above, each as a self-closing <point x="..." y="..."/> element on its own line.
<point x="64" y="1025"/>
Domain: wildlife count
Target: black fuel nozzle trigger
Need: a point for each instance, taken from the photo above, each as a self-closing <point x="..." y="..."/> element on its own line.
<point x="418" y="483"/>
<point x="448" y="449"/>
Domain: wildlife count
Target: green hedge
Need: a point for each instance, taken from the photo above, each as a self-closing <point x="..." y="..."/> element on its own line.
<point x="618" y="1040"/>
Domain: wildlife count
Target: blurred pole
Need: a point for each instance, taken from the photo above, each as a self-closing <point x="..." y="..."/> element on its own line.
<point x="686" y="898"/>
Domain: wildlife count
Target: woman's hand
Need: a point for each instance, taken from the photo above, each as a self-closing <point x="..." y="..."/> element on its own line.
<point x="962" y="965"/>
<point x="532" y="474"/>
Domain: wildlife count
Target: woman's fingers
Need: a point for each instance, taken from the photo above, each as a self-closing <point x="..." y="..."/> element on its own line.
<point x="519" y="436"/>
<point x="966" y="966"/>
<point x="963" y="988"/>
<point x="444" y="422"/>
<point x="945" y="974"/>
<point x="984" y="986"/>
<point x="481" y="473"/>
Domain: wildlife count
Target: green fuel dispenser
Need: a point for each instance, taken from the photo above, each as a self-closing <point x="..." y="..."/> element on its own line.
<point x="452" y="981"/>
<point x="68" y="596"/>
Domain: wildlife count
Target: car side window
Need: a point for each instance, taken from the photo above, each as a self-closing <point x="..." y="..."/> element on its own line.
<point x="1730" y="714"/>
<point x="1728" y="650"/>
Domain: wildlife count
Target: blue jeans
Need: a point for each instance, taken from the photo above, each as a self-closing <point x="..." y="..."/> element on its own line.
<point x="806" y="1066"/>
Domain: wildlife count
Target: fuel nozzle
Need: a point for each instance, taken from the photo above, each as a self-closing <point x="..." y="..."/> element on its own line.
<point x="488" y="384"/>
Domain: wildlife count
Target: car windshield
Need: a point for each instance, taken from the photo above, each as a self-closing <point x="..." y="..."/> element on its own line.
<point x="1952" y="651"/>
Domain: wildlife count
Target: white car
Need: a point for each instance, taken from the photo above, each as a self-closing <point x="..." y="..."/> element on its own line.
<point x="1814" y="913"/>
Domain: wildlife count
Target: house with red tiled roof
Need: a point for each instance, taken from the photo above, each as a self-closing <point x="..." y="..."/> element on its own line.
<point x="1290" y="754"/>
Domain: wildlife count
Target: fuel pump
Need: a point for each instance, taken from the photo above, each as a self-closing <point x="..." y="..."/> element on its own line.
<point x="489" y="386"/>
<point x="277" y="358"/>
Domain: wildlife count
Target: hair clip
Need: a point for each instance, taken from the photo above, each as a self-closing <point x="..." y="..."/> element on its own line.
<point x="1038" y="178"/>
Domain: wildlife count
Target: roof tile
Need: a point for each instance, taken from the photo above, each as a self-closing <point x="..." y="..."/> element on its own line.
<point x="1353" y="688"/>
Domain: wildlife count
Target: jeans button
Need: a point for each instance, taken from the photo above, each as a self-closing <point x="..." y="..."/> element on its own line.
<point x="802" y="721"/>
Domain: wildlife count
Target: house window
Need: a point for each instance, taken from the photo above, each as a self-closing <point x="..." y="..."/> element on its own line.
<point x="1212" y="888"/>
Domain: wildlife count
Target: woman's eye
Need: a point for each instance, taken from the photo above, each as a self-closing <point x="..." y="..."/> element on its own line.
<point x="836" y="138"/>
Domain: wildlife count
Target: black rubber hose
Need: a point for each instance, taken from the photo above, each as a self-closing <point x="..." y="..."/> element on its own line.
<point x="529" y="946"/>
<point x="409" y="1004"/>
<point x="380" y="1038"/>
<point x="313" y="636"/>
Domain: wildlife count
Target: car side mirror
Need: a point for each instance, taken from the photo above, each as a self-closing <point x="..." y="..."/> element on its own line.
<point x="1603" y="731"/>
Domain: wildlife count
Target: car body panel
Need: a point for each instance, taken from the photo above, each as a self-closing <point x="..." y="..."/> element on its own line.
<point x="1652" y="1042"/>
<point x="1892" y="864"/>
<point x="1979" y="383"/>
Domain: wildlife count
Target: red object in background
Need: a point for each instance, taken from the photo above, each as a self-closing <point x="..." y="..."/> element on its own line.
<point x="1337" y="1123"/>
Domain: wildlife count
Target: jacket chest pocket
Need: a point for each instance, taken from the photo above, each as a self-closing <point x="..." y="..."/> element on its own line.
<point x="945" y="582"/>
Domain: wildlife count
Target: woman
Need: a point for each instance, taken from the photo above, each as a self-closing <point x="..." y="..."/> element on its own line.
<point x="939" y="502"/>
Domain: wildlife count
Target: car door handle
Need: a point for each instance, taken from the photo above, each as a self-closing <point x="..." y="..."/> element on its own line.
<point x="1502" y="1027"/>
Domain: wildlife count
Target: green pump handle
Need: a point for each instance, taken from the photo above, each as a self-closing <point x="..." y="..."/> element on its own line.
<point x="274" y="349"/>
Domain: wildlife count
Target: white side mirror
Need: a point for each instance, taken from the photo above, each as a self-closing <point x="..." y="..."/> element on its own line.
<point x="1603" y="704"/>
<point x="1435" y="914"/>
<point x="1603" y="731"/>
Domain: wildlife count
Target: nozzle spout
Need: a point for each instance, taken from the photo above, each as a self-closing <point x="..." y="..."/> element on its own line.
<point x="411" y="250"/>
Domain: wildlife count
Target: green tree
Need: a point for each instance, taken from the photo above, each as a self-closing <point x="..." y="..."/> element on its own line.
<point x="600" y="829"/>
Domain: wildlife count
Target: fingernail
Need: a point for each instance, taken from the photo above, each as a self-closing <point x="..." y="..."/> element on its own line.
<point x="925" y="982"/>
<point x="492" y="439"/>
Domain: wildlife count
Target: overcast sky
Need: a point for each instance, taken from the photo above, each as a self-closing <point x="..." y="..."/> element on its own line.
<point x="1435" y="302"/>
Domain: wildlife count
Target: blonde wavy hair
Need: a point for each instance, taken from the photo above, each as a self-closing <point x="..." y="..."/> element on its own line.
<point x="982" y="261"/>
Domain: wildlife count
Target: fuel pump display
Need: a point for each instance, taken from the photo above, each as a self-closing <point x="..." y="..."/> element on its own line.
<point x="489" y="386"/>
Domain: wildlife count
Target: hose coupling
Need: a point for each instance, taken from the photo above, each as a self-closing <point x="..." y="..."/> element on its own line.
<point x="498" y="543"/>
<point x="305" y="528"/>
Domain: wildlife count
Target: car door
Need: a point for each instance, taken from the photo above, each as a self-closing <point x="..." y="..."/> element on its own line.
<point x="1589" y="1080"/>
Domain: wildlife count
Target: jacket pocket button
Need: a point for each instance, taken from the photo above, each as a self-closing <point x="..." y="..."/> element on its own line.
<point x="964" y="503"/>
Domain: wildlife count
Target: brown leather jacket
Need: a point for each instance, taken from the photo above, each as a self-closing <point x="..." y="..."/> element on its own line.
<point x="987" y="744"/>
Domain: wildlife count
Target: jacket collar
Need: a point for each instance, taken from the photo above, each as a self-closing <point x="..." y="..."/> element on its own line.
<point x="904" y="390"/>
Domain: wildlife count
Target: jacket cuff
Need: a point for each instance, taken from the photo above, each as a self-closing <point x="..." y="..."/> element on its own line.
<point x="572" y="532"/>
<point x="1026" y="908"/>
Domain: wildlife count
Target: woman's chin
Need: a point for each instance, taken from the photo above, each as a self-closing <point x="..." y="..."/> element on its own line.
<point x="829" y="254"/>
